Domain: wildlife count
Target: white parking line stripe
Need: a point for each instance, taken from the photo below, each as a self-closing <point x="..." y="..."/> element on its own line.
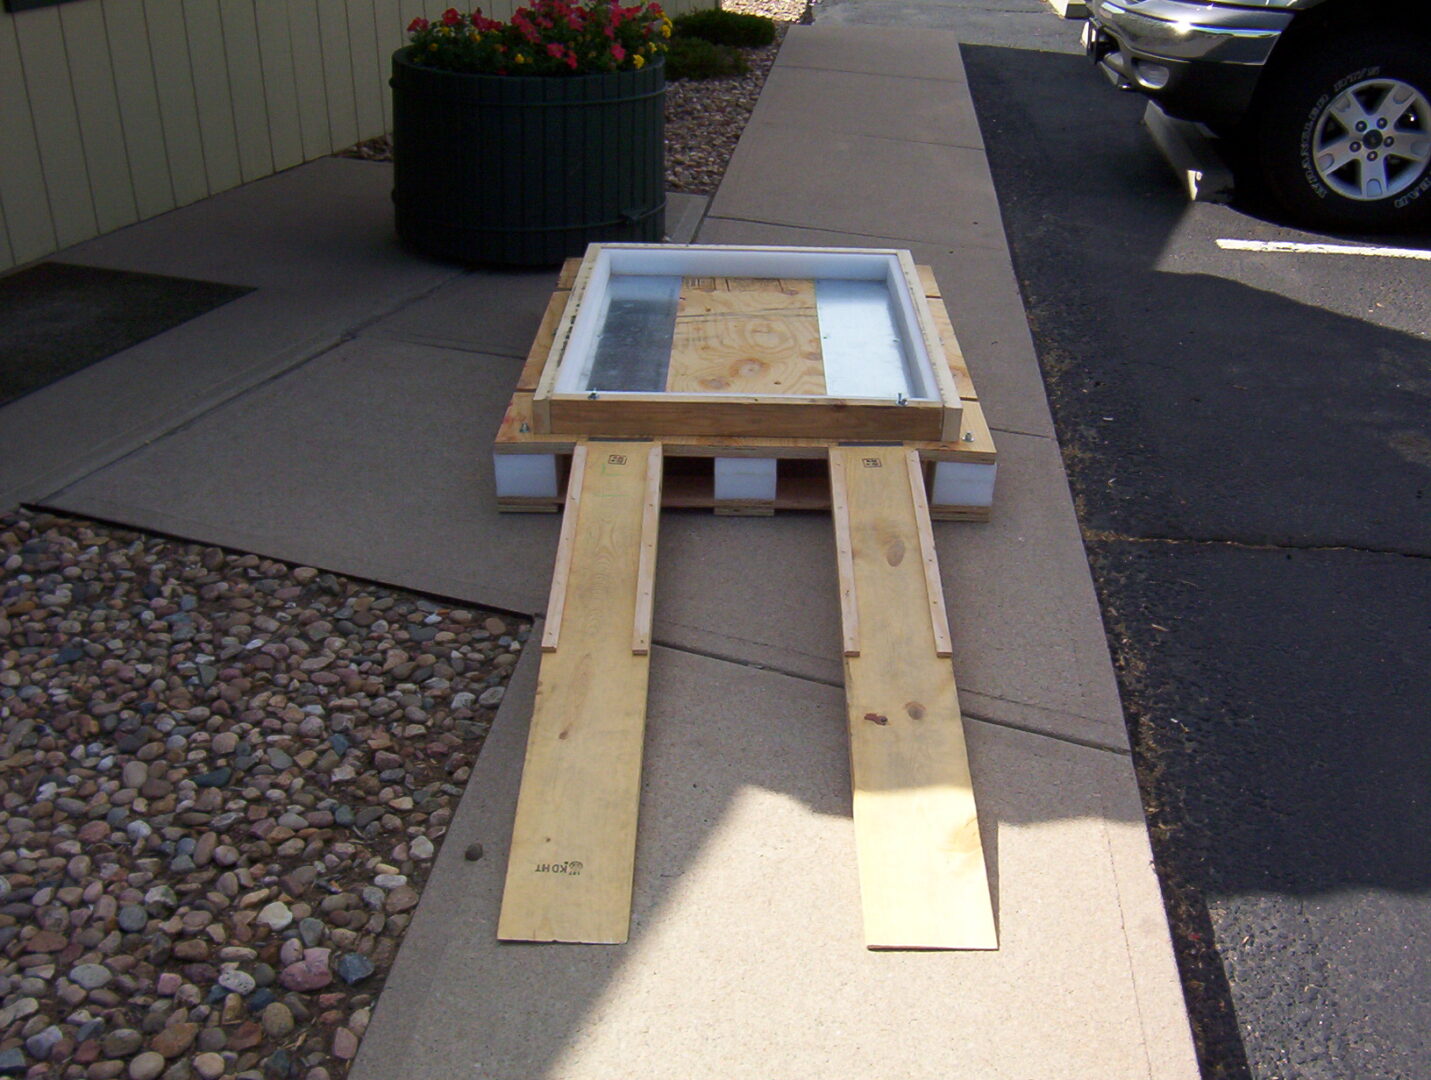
<point x="1289" y="247"/>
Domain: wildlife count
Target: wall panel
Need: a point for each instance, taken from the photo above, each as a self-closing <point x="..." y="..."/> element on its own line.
<point x="23" y="200"/>
<point x="280" y="91"/>
<point x="97" y="109"/>
<point x="212" y="93"/>
<point x="56" y="124"/>
<point x="178" y="104"/>
<point x="337" y="51"/>
<point x="127" y="39"/>
<point x="367" y="83"/>
<point x="250" y="108"/>
<point x="113" y="111"/>
<point x="310" y="78"/>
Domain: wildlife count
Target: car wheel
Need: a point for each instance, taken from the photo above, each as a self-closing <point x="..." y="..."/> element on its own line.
<point x="1343" y="132"/>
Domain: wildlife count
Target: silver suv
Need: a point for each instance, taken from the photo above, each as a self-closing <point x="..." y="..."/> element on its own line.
<point x="1327" y="102"/>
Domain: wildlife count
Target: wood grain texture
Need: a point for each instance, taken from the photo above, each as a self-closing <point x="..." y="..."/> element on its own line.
<point x="655" y="415"/>
<point x="573" y="850"/>
<point x="844" y="556"/>
<point x="646" y="566"/>
<point x="541" y="350"/>
<point x="561" y="572"/>
<point x="938" y="617"/>
<point x="746" y="336"/>
<point x="518" y="434"/>
<point x="923" y="883"/>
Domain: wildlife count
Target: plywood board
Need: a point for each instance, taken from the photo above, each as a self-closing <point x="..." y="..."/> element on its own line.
<point x="656" y="415"/>
<point x="923" y="883"/>
<point x="746" y="336"/>
<point x="574" y="841"/>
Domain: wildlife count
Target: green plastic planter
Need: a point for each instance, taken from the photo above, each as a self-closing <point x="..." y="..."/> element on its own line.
<point x="527" y="170"/>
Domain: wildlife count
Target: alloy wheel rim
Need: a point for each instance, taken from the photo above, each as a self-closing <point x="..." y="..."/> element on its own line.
<point x="1373" y="140"/>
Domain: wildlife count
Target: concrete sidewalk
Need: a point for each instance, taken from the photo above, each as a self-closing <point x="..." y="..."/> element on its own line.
<point x="341" y="416"/>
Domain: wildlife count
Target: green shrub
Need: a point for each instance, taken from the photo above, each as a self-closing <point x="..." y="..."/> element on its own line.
<point x="726" y="28"/>
<point x="696" y="58"/>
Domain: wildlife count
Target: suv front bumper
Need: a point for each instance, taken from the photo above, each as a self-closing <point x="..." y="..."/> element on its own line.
<point x="1200" y="61"/>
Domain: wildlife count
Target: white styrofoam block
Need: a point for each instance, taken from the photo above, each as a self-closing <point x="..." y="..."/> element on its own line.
<point x="959" y="483"/>
<point x="747" y="479"/>
<point x="525" y="476"/>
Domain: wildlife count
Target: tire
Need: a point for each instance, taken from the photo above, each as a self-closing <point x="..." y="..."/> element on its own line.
<point x="1307" y="126"/>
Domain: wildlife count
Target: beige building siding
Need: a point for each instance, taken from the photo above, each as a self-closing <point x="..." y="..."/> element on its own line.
<point x="112" y="111"/>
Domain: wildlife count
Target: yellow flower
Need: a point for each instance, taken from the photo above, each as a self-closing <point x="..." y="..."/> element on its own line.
<point x="472" y="35"/>
<point x="432" y="47"/>
<point x="665" y="28"/>
<point x="520" y="59"/>
<point x="638" y="61"/>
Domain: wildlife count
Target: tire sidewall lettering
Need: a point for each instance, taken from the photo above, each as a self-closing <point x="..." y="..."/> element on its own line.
<point x="1309" y="128"/>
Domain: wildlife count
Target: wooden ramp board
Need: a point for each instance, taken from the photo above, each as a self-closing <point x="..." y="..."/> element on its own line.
<point x="574" y="842"/>
<point x="923" y="883"/>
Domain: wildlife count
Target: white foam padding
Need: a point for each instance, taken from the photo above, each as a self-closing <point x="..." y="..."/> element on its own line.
<point x="958" y="483"/>
<point x="525" y="476"/>
<point x="747" y="479"/>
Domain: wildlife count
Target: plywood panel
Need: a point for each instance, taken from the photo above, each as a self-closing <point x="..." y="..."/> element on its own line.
<point x="178" y="106"/>
<point x="574" y="841"/>
<point x="923" y="883"/>
<point x="656" y="415"/>
<point x="138" y="98"/>
<point x="367" y="83"/>
<point x="213" y="94"/>
<point x="97" y="107"/>
<point x="280" y="91"/>
<point x="56" y="125"/>
<point x="309" y="79"/>
<point x="338" y="75"/>
<point x="746" y="336"/>
<point x="23" y="201"/>
<point x="250" y="107"/>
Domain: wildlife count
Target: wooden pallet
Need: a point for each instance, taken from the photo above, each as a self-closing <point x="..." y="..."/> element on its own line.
<point x="531" y="466"/>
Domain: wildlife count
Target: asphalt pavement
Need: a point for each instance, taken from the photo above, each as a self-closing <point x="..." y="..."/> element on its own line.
<point x="1247" y="439"/>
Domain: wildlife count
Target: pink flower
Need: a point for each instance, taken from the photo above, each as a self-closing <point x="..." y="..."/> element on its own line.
<point x="451" y="17"/>
<point x="553" y="49"/>
<point x="617" y="52"/>
<point x="417" y="24"/>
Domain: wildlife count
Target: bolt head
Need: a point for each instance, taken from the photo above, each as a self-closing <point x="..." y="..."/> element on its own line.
<point x="1381" y="122"/>
<point x="1356" y="148"/>
<point x="1361" y="125"/>
<point x="1371" y="156"/>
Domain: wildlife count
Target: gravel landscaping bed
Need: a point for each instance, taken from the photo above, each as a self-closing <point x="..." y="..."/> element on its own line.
<point x="223" y="780"/>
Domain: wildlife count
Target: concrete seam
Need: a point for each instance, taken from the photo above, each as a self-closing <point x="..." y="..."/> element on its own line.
<point x="1087" y="744"/>
<point x="863" y="235"/>
<point x="142" y="437"/>
<point x="873" y="74"/>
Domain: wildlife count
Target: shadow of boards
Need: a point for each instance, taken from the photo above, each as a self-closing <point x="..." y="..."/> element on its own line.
<point x="59" y="318"/>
